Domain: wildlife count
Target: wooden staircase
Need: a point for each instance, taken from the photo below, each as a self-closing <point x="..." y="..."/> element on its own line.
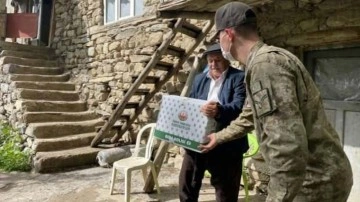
<point x="167" y="47"/>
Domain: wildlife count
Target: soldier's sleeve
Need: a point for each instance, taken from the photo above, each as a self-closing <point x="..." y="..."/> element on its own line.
<point x="239" y="127"/>
<point x="284" y="141"/>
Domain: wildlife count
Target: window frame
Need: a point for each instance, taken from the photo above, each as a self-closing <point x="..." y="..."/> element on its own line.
<point x="117" y="11"/>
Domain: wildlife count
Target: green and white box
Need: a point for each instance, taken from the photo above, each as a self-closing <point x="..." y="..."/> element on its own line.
<point x="181" y="122"/>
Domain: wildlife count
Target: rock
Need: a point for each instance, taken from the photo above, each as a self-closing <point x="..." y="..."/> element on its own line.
<point x="114" y="46"/>
<point x="139" y="58"/>
<point x="91" y="52"/>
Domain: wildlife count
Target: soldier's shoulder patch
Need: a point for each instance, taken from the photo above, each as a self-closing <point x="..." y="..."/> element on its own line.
<point x="262" y="102"/>
<point x="256" y="86"/>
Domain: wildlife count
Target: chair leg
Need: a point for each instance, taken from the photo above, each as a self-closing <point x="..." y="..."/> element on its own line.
<point x="144" y="173"/>
<point x="112" y="181"/>
<point x="127" y="185"/>
<point x="245" y="185"/>
<point x="153" y="171"/>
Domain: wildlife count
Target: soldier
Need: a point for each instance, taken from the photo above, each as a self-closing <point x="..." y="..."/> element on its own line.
<point x="304" y="153"/>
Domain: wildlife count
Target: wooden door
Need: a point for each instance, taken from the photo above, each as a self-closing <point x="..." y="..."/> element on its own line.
<point x="337" y="74"/>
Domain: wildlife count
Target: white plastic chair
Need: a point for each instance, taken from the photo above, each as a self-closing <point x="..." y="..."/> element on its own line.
<point x="136" y="163"/>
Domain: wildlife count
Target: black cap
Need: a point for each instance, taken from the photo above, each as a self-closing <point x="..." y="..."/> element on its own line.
<point x="213" y="49"/>
<point x="233" y="14"/>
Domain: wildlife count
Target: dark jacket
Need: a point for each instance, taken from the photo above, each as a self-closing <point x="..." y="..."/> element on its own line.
<point x="232" y="96"/>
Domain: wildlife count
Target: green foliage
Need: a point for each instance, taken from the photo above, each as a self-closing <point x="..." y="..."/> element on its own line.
<point x="12" y="157"/>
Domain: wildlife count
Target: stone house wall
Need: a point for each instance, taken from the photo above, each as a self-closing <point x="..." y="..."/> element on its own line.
<point x="307" y="25"/>
<point x="102" y="58"/>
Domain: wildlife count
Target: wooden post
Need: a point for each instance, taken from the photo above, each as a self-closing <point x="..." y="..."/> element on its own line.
<point x="2" y="20"/>
<point x="162" y="150"/>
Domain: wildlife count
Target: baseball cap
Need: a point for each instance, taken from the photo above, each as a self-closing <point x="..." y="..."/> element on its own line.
<point x="213" y="49"/>
<point x="233" y="14"/>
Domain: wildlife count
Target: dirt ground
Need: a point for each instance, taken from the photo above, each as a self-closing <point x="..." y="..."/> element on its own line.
<point x="92" y="185"/>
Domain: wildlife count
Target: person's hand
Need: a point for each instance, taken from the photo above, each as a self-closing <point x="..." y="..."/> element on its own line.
<point x="210" y="109"/>
<point x="204" y="148"/>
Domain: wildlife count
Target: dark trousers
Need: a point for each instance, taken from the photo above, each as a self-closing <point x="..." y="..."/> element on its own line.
<point x="225" y="167"/>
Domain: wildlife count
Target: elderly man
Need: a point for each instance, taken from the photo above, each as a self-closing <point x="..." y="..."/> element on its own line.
<point x="222" y="86"/>
<point x="297" y="142"/>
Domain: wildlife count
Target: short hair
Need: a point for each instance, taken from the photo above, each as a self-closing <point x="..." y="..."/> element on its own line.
<point x="245" y="30"/>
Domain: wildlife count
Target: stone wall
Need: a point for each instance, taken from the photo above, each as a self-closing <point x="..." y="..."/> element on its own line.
<point x="310" y="24"/>
<point x="102" y="58"/>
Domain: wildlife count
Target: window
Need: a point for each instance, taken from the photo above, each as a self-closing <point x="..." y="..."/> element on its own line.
<point x="122" y="9"/>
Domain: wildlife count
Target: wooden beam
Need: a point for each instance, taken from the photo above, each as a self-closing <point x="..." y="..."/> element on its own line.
<point x="187" y="14"/>
<point x="2" y="26"/>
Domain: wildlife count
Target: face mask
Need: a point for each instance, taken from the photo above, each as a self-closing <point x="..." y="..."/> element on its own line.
<point x="226" y="54"/>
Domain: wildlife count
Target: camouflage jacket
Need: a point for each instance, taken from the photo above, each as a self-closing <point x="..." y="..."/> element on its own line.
<point x="301" y="148"/>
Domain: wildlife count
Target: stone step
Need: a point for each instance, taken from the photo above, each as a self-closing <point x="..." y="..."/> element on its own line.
<point x="57" y="160"/>
<point x="30" y="94"/>
<point x="26" y="48"/>
<point x="27" y="54"/>
<point x="36" y="117"/>
<point x="28" y="62"/>
<point x="44" y="85"/>
<point x="22" y="69"/>
<point x="61" y="129"/>
<point x="51" y="106"/>
<point x="61" y="143"/>
<point x="34" y="77"/>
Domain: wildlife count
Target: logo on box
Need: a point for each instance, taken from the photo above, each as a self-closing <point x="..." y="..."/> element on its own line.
<point x="183" y="116"/>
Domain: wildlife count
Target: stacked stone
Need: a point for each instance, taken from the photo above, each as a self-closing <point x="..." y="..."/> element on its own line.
<point x="102" y="58"/>
<point x="309" y="23"/>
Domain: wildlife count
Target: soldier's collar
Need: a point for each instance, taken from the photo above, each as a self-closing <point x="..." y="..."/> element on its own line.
<point x="253" y="52"/>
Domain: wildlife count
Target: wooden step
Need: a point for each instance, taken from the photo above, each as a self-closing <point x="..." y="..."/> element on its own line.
<point x="190" y="30"/>
<point x="175" y="51"/>
<point x="129" y="105"/>
<point x="106" y="115"/>
<point x="148" y="79"/>
<point x="140" y="91"/>
<point x="117" y="126"/>
<point x="164" y="66"/>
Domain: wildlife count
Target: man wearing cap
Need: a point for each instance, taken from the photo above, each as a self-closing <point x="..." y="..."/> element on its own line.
<point x="306" y="159"/>
<point x="223" y="87"/>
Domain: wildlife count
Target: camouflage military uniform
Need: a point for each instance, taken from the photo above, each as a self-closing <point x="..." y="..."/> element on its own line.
<point x="301" y="148"/>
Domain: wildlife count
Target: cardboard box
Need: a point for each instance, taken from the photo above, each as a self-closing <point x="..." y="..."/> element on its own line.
<point x="181" y="122"/>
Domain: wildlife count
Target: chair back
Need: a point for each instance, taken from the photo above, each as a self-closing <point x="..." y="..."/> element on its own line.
<point x="253" y="146"/>
<point x="150" y="140"/>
